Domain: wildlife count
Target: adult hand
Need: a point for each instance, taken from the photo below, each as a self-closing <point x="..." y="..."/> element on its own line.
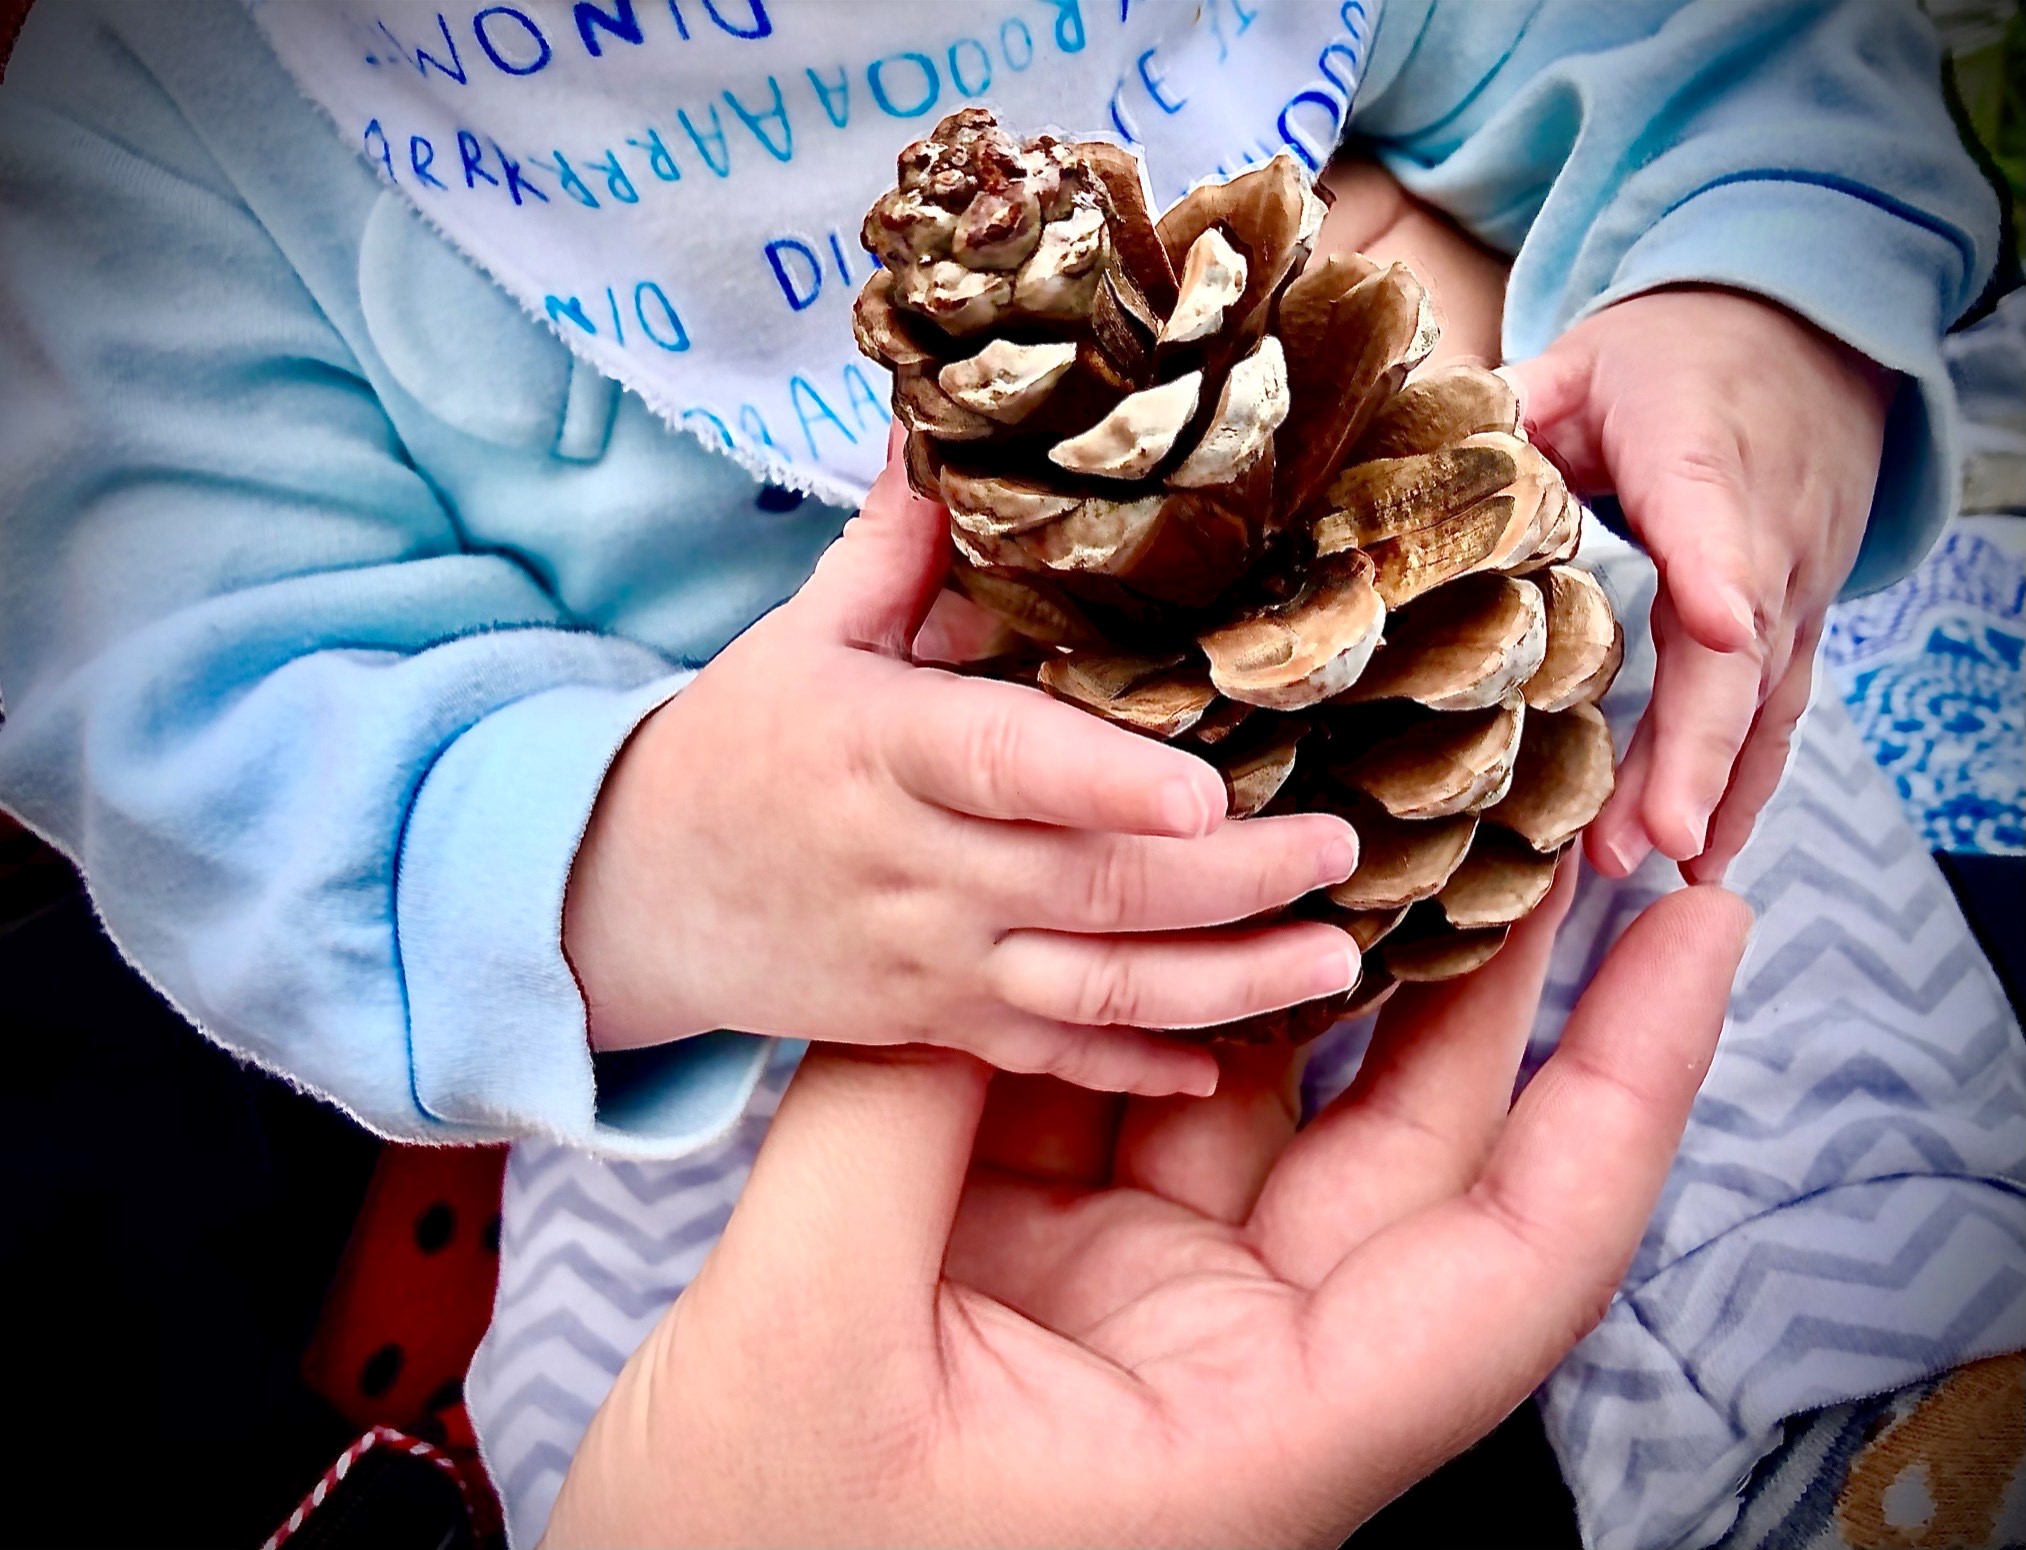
<point x="821" y="838"/>
<point x="1102" y="1321"/>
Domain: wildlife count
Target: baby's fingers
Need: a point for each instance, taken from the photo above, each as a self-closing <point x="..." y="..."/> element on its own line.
<point x="958" y="630"/>
<point x="1189" y="981"/>
<point x="1703" y="706"/>
<point x="1106" y="884"/>
<point x="1758" y="771"/>
<point x="1109" y="1060"/>
<point x="1616" y="841"/>
<point x="998" y="750"/>
<point x="1694" y="521"/>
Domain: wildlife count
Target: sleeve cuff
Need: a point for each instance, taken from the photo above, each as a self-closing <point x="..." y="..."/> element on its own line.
<point x="1791" y="242"/>
<point x="497" y="1035"/>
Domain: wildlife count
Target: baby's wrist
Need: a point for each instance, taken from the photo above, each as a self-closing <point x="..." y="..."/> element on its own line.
<point x="616" y="931"/>
<point x="622" y="1008"/>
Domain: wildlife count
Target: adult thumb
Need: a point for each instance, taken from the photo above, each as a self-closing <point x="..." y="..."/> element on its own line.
<point x="855" y="1189"/>
<point x="811" y="1334"/>
<point x="874" y="585"/>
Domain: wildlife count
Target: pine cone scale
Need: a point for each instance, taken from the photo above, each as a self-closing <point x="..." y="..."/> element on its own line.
<point x="1401" y="862"/>
<point x="1200" y="475"/>
<point x="1351" y="331"/>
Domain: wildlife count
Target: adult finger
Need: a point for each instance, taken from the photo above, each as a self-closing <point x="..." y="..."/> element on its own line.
<point x="1192" y="980"/>
<point x="1047" y="1130"/>
<point x="874" y="586"/>
<point x="1071" y="1256"/>
<point x="1102" y="884"/>
<point x="1066" y="1257"/>
<point x="853" y="1191"/>
<point x="1002" y="750"/>
<point x="1415" y="1126"/>
<point x="1546" y="1233"/>
<point x="1758" y="771"/>
<point x="1704" y="703"/>
<point x="1694" y="519"/>
<point x="1213" y="1155"/>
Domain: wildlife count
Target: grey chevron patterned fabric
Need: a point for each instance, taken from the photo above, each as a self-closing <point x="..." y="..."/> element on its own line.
<point x="591" y="1254"/>
<point x="1848" y="1213"/>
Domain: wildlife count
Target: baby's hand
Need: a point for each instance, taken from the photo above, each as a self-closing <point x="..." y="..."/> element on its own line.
<point x="1743" y="444"/>
<point x="820" y="839"/>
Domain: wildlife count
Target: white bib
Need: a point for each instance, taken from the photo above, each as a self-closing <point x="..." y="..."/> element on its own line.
<point x="676" y="186"/>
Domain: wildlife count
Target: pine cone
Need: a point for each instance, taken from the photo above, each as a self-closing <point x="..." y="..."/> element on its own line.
<point x="1189" y="467"/>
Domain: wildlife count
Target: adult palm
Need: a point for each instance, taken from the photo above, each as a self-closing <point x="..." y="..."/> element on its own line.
<point x="957" y="1309"/>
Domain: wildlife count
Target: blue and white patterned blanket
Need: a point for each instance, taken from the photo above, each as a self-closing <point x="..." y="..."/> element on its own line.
<point x="1930" y="668"/>
<point x="1931" y="671"/>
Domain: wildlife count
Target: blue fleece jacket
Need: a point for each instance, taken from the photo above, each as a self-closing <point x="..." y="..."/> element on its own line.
<point x="330" y="584"/>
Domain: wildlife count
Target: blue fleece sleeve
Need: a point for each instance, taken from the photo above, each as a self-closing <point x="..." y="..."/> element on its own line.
<point x="324" y="766"/>
<point x="1796" y="149"/>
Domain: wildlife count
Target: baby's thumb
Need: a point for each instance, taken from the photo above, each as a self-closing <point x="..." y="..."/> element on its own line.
<point x="1551" y="385"/>
<point x="874" y="585"/>
<point x="1554" y="393"/>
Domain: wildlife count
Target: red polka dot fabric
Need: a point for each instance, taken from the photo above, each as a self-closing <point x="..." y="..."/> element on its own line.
<point x="411" y="1298"/>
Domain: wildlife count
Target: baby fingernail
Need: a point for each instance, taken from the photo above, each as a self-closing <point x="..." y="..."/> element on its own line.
<point x="1698" y="826"/>
<point x="1624" y="854"/>
<point x="1336" y="970"/>
<point x="1183" y="808"/>
<point x="1741" y="611"/>
<point x="1337" y="860"/>
<point x="1185" y="1079"/>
